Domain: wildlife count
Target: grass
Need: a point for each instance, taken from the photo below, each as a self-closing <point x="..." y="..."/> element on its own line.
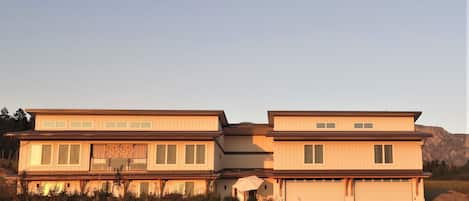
<point x="435" y="187"/>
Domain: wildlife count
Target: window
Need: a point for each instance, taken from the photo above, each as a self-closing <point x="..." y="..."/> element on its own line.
<point x="69" y="154"/>
<point x="140" y="124"/>
<point x="53" y="124"/>
<point x="383" y="154"/>
<point x="189" y="188"/>
<point x="130" y="124"/>
<point x="41" y="154"/>
<point x="144" y="188"/>
<point x="314" y="154"/>
<point x="195" y="154"/>
<point x="325" y="125"/>
<point x="363" y="125"/>
<point x="165" y="154"/>
<point x="81" y="124"/>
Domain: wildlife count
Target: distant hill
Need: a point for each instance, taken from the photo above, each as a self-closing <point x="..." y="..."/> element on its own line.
<point x="445" y="146"/>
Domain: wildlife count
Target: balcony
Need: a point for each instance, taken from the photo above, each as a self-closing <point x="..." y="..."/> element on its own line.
<point x="122" y="164"/>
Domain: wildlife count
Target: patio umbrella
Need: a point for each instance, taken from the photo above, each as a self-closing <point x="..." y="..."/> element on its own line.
<point x="248" y="183"/>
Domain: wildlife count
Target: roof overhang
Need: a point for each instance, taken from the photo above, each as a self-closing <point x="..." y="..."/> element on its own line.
<point x="348" y="135"/>
<point x="142" y="175"/>
<point x="114" y="135"/>
<point x="272" y="114"/>
<point x="220" y="113"/>
<point x="302" y="174"/>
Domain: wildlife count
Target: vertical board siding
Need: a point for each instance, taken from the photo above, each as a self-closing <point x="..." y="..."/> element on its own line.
<point x="248" y="144"/>
<point x="347" y="155"/>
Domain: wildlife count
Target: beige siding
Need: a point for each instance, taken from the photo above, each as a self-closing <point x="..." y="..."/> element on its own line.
<point x="158" y="123"/>
<point x="347" y="155"/>
<point x="26" y="157"/>
<point x="248" y="161"/>
<point x="248" y="144"/>
<point x="284" y="123"/>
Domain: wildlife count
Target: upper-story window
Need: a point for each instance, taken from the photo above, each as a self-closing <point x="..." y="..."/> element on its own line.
<point x="41" y="154"/>
<point x="69" y="154"/>
<point x="81" y="124"/>
<point x="383" y="153"/>
<point x="54" y="124"/>
<point x="314" y="154"/>
<point x="363" y="125"/>
<point x="125" y="124"/>
<point x="195" y="154"/>
<point x="325" y="125"/>
<point x="165" y="154"/>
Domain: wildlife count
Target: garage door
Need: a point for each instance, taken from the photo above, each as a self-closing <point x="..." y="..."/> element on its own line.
<point x="383" y="190"/>
<point x="311" y="190"/>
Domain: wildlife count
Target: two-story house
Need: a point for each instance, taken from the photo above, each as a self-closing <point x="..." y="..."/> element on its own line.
<point x="301" y="155"/>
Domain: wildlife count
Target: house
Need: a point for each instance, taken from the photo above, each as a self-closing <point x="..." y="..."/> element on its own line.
<point x="301" y="155"/>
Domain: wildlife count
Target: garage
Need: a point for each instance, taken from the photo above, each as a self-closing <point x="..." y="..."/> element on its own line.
<point x="383" y="190"/>
<point x="310" y="190"/>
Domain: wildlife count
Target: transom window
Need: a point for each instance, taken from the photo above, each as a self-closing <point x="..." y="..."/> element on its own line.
<point x="69" y="154"/>
<point x="383" y="154"/>
<point x="165" y="154"/>
<point x="130" y="124"/>
<point x="325" y="125"/>
<point x="363" y="125"/>
<point x="81" y="124"/>
<point x="313" y="154"/>
<point x="195" y="154"/>
<point x="54" y="124"/>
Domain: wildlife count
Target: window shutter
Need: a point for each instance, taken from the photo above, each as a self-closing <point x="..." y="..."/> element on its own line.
<point x="46" y="154"/>
<point x="200" y="159"/>
<point x="388" y="154"/>
<point x="318" y="153"/>
<point x="378" y="153"/>
<point x="74" y="154"/>
<point x="308" y="153"/>
<point x="160" y="154"/>
<point x="171" y="154"/>
<point x="189" y="154"/>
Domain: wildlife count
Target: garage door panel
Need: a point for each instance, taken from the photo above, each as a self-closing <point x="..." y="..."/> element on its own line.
<point x="383" y="191"/>
<point x="308" y="190"/>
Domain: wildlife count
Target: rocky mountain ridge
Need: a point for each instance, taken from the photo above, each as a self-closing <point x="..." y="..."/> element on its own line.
<point x="452" y="148"/>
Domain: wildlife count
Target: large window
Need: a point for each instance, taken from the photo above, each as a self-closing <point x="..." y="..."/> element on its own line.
<point x="69" y="154"/>
<point x="41" y="154"/>
<point x="314" y="154"/>
<point x="195" y="154"/>
<point x="165" y="154"/>
<point x="383" y="154"/>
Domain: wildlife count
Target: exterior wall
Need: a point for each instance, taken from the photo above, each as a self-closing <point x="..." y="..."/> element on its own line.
<point x="25" y="156"/>
<point x="248" y="144"/>
<point x="289" y="155"/>
<point x="285" y="123"/>
<point x="248" y="161"/>
<point x="24" y="163"/>
<point x="218" y="155"/>
<point x="158" y="123"/>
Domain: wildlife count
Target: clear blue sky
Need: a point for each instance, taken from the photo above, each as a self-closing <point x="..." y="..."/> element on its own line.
<point x="244" y="57"/>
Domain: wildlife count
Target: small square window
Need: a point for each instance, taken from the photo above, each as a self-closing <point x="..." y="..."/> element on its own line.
<point x="320" y="125"/>
<point x="368" y="125"/>
<point x="358" y="125"/>
<point x="330" y="125"/>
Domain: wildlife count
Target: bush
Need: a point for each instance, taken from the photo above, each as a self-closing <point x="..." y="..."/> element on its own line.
<point x="230" y="198"/>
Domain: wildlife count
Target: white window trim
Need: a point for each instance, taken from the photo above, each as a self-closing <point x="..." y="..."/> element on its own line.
<point x="383" y="155"/>
<point x="69" y="151"/>
<point x="165" y="155"/>
<point x="314" y="157"/>
<point x="195" y="154"/>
